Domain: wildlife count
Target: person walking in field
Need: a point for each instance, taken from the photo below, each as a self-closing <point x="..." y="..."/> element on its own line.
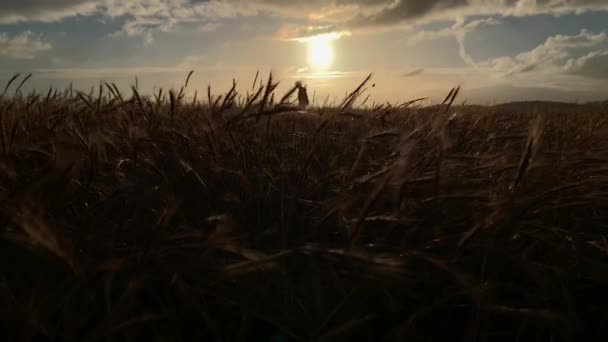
<point x="302" y="95"/>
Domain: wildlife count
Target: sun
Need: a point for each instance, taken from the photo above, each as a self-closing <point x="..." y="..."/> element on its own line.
<point x="320" y="52"/>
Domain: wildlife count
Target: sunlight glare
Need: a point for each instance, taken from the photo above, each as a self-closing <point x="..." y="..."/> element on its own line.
<point x="320" y="52"/>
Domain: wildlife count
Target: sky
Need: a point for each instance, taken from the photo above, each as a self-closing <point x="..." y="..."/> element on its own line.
<point x="497" y="50"/>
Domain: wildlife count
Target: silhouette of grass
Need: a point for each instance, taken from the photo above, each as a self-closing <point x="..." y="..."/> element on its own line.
<point x="134" y="217"/>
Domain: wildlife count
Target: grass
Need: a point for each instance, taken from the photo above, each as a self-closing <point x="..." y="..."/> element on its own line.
<point x="239" y="217"/>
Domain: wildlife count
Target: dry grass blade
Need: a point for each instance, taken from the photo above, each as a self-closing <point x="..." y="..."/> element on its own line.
<point x="288" y="95"/>
<point x="265" y="264"/>
<point x="13" y="134"/>
<point x="529" y="152"/>
<point x="40" y="234"/>
<point x="411" y="102"/>
<point x="352" y="97"/>
<point x="313" y="147"/>
<point x="216" y="103"/>
<point x="368" y="178"/>
<point x="447" y="98"/>
<point x="141" y="319"/>
<point x="210" y="100"/>
<point x="252" y="100"/>
<point x="188" y="78"/>
<point x="255" y="80"/>
<point x="451" y="99"/>
<point x="194" y="99"/>
<point x="391" y="133"/>
<point x="367" y="206"/>
<point x="84" y="98"/>
<point x="344" y="328"/>
<point x="112" y="91"/>
<point x="270" y="87"/>
<point x="8" y="85"/>
<point x="181" y="94"/>
<point x="230" y="96"/>
<point x="542" y="314"/>
<point x="22" y="83"/>
<point x="137" y="97"/>
<point x="160" y="97"/>
<point x="357" y="162"/>
<point x="462" y="279"/>
<point x="172" y="103"/>
<point x="189" y="169"/>
<point x="118" y="93"/>
<point x="48" y="96"/>
<point x="487" y="222"/>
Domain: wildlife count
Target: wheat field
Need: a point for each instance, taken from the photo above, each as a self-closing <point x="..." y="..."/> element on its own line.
<point x="241" y="217"/>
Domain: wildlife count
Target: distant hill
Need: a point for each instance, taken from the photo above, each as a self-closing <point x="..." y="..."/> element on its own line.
<point x="549" y="107"/>
<point x="530" y="95"/>
<point x="530" y="107"/>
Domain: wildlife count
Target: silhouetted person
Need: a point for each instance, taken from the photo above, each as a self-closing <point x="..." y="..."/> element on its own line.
<point x="302" y="95"/>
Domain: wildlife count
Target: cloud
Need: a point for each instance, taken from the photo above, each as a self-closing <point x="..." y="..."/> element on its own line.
<point x="459" y="28"/>
<point x="144" y="17"/>
<point x="553" y="65"/>
<point x="309" y="34"/>
<point x="412" y="73"/>
<point x="593" y="65"/>
<point x="193" y="62"/>
<point x="459" y="31"/>
<point x="209" y="27"/>
<point x="550" y="55"/>
<point x="22" y="46"/>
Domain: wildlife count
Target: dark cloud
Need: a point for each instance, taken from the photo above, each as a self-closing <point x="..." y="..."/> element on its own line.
<point x="22" y="7"/>
<point x="375" y="14"/>
<point x="364" y="13"/>
<point x="43" y="10"/>
<point x="404" y="10"/>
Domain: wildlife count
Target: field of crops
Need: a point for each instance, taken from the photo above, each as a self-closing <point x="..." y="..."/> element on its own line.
<point x="241" y="217"/>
